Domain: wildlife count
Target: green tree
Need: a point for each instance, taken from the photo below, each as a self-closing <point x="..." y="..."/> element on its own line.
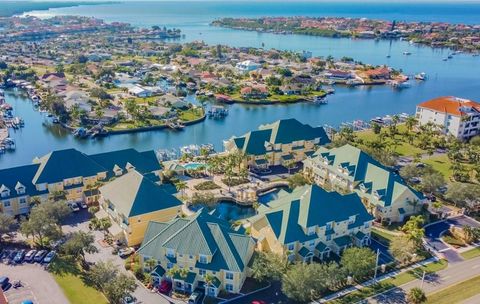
<point x="358" y="262"/>
<point x="431" y="182"/>
<point x="403" y="249"/>
<point x="44" y="222"/>
<point x="79" y="244"/>
<point x="296" y="180"/>
<point x="416" y="296"/>
<point x="376" y="128"/>
<point x="268" y="266"/>
<point x="7" y="225"/>
<point x="413" y="229"/>
<point x="115" y="285"/>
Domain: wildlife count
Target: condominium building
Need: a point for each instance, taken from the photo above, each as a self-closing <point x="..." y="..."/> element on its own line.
<point x="278" y="143"/>
<point x="348" y="169"/>
<point x="311" y="222"/>
<point x="203" y="245"/>
<point x="455" y="116"/>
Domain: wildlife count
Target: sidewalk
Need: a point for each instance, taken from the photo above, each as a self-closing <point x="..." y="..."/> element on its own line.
<point x="371" y="282"/>
<point x="451" y="275"/>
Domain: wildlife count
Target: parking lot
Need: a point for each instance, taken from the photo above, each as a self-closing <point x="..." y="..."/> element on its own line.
<point x="38" y="285"/>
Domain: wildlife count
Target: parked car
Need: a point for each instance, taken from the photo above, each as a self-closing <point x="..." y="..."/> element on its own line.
<point x="73" y="206"/>
<point x="30" y="255"/>
<point x="4" y="283"/>
<point x="40" y="256"/>
<point x="57" y="243"/>
<point x="49" y="257"/>
<point x="165" y="287"/>
<point x="83" y="205"/>
<point x="27" y="302"/>
<point x="125" y="252"/>
<point x="129" y="299"/>
<point x="195" y="298"/>
<point x="5" y="255"/>
<point x="20" y="256"/>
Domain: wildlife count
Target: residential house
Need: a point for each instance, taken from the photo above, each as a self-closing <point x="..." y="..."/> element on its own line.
<point x="255" y="92"/>
<point x="278" y="143"/>
<point x="348" y="169"/>
<point x="131" y="201"/>
<point x="202" y="244"/>
<point x="311" y="222"/>
<point x="77" y="98"/>
<point x="247" y="66"/>
<point x="455" y="116"/>
<point x="139" y="91"/>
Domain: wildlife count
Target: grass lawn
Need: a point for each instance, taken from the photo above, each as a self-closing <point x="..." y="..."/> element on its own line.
<point x="382" y="236"/>
<point x="70" y="278"/>
<point x="390" y="283"/>
<point x="470" y="254"/>
<point x="191" y="114"/>
<point x="441" y="163"/>
<point x="456" y="293"/>
<point x="403" y="148"/>
<point x="416" y="273"/>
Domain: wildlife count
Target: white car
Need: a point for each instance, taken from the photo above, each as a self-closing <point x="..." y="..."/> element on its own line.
<point x="83" y="205"/>
<point x="74" y="207"/>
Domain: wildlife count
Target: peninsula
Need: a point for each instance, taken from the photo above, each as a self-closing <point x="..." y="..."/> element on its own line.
<point x="462" y="37"/>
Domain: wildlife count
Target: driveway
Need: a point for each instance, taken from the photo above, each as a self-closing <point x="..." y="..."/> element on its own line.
<point x="434" y="232"/>
<point x="38" y="285"/>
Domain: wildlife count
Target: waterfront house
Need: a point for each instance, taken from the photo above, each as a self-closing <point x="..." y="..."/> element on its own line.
<point x="278" y="143"/>
<point x="77" y="98"/>
<point x="69" y="174"/>
<point x="338" y="75"/>
<point x="139" y="91"/>
<point x="455" y="116"/>
<point x="203" y="245"/>
<point x="247" y="66"/>
<point x="348" y="169"/>
<point x="255" y="92"/>
<point x="311" y="222"/>
<point x="131" y="201"/>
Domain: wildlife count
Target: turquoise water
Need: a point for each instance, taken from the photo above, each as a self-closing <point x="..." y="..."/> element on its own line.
<point x="193" y="166"/>
<point x="458" y="76"/>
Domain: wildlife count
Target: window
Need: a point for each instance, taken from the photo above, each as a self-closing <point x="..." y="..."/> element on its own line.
<point x="351" y="219"/>
<point x="329" y="226"/>
<point x="311" y="230"/>
<point x="170" y="253"/>
<point x="22" y="201"/>
<point x="229" y="275"/>
<point x="5" y="193"/>
<point x="202" y="259"/>
<point x="329" y="237"/>
<point x="229" y="287"/>
<point x="169" y="265"/>
<point x="291" y="247"/>
<point x="202" y="272"/>
<point x="6" y="203"/>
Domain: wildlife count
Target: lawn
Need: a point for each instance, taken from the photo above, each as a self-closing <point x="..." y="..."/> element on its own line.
<point x="441" y="163"/>
<point x="470" y="254"/>
<point x="392" y="282"/>
<point x="403" y="148"/>
<point x="381" y="236"/>
<point x="71" y="280"/>
<point x="416" y="273"/>
<point x="191" y="114"/>
<point x="456" y="293"/>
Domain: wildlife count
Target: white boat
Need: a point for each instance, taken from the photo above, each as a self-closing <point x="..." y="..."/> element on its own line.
<point x="320" y="100"/>
<point x="407" y="53"/>
<point x="421" y="76"/>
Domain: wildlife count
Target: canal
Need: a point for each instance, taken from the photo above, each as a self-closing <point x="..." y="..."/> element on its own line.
<point x="458" y="76"/>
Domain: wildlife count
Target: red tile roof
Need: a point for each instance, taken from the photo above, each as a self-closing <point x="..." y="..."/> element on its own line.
<point x="449" y="104"/>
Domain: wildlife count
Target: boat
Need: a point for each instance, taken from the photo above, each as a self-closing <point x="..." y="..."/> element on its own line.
<point x="445" y="59"/>
<point x="421" y="76"/>
<point x="407" y="53"/>
<point x="80" y="132"/>
<point x="55" y="120"/>
<point x="388" y="56"/>
<point x="450" y="56"/>
<point x="217" y="112"/>
<point x="320" y="99"/>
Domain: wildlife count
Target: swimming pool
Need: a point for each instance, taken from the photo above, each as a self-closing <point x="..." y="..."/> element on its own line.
<point x="193" y="166"/>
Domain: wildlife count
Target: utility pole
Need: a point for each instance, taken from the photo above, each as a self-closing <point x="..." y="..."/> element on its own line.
<point x="423" y="279"/>
<point x="376" y="266"/>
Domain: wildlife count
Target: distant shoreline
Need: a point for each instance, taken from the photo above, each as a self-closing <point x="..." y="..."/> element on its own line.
<point x="12" y="8"/>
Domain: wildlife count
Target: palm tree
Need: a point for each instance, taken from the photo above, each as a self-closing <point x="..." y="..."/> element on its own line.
<point x="150" y="264"/>
<point x="416" y="296"/>
<point x="181" y="186"/>
<point x="411" y="122"/>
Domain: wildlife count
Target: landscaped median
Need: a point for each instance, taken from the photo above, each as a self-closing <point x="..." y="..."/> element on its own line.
<point x="456" y="293"/>
<point x="470" y="254"/>
<point x="392" y="282"/>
